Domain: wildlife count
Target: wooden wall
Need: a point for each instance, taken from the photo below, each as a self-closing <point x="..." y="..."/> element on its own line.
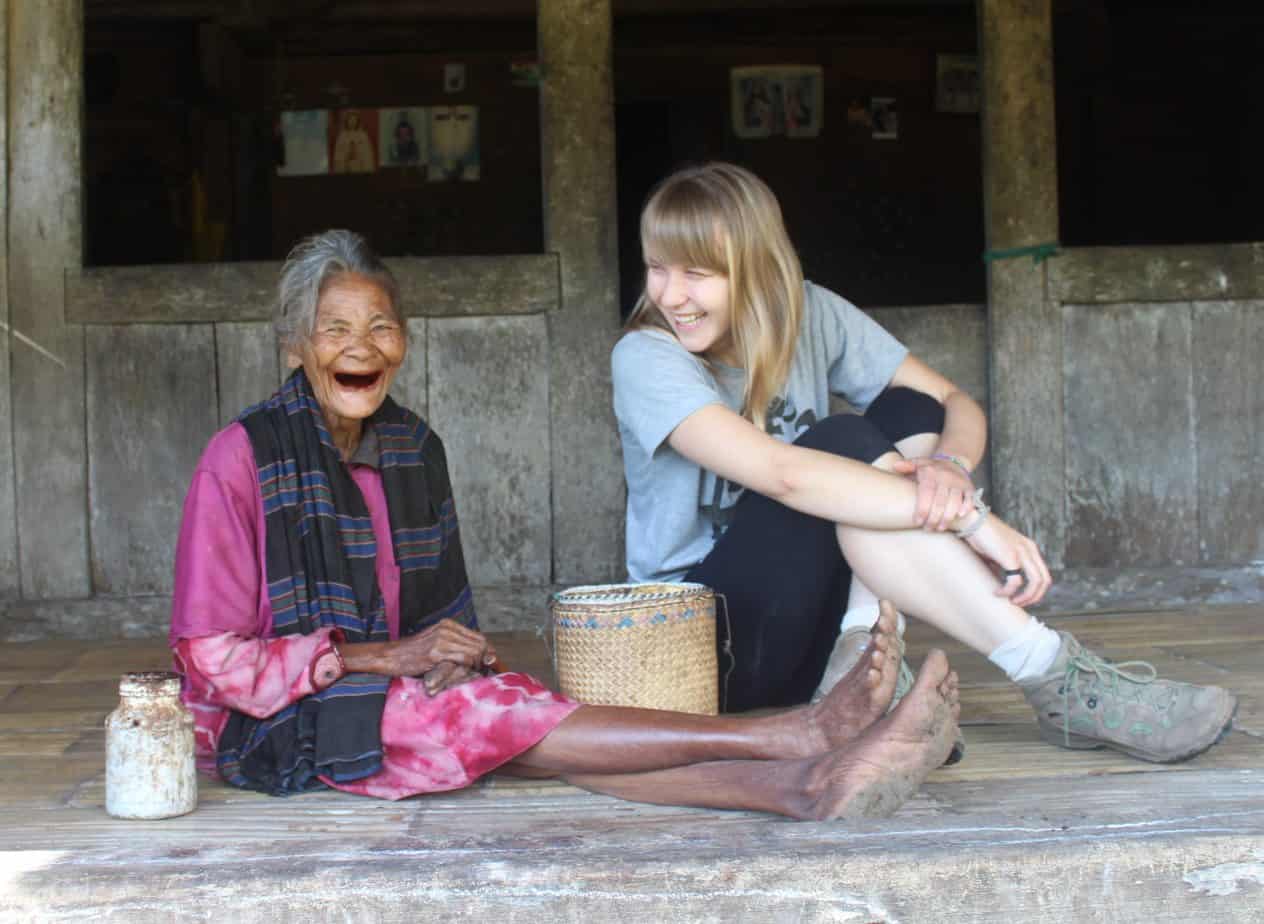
<point x="163" y="374"/>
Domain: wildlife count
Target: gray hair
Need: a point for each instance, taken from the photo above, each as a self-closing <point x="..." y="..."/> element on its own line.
<point x="312" y="264"/>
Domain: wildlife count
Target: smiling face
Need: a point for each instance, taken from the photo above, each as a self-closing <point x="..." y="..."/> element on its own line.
<point x="695" y="302"/>
<point x="353" y="353"/>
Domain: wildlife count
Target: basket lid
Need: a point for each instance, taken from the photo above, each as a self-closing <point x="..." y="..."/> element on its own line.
<point x="597" y="594"/>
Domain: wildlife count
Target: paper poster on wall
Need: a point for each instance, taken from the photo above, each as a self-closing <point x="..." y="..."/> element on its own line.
<point x="403" y="136"/>
<point x="956" y="83"/>
<point x="453" y="77"/>
<point x="352" y="141"/>
<point x="303" y="148"/>
<point x="884" y="117"/>
<point x="768" y="101"/>
<point x="454" y="150"/>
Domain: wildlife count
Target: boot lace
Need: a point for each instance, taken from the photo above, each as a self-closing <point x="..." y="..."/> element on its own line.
<point x="1128" y="680"/>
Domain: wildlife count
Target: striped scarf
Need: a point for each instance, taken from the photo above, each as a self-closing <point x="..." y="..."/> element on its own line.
<point x="321" y="556"/>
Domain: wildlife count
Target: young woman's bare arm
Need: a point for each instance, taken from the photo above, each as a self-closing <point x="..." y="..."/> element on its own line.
<point x="813" y="482"/>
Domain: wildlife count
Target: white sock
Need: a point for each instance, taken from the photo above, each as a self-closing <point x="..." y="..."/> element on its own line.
<point x="1028" y="653"/>
<point x="862" y="609"/>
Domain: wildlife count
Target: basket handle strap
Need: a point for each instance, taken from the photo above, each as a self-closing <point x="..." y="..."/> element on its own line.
<point x="727" y="648"/>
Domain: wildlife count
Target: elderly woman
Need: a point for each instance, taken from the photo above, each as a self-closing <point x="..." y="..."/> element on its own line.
<point x="325" y="630"/>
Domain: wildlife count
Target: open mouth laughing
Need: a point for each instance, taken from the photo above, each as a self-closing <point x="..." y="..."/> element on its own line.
<point x="357" y="381"/>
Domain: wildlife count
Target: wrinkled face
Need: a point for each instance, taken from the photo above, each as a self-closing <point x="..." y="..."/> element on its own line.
<point x="695" y="303"/>
<point x="355" y="350"/>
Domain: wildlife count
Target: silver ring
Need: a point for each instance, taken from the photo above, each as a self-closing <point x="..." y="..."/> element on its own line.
<point x="1008" y="573"/>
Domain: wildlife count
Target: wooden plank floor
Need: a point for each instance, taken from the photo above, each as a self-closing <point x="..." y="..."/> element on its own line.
<point x="1012" y="790"/>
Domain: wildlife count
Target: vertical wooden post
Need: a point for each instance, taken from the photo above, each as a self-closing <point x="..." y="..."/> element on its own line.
<point x="577" y="152"/>
<point x="1020" y="182"/>
<point x="9" y="581"/>
<point x="45" y="82"/>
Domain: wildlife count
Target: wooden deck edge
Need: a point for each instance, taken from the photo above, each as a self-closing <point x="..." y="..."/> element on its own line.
<point x="1118" y="849"/>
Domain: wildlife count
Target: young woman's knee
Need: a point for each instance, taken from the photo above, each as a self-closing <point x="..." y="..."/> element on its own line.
<point x="848" y="435"/>
<point x="900" y="412"/>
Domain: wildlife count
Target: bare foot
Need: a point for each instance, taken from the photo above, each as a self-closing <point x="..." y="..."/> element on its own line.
<point x="863" y="695"/>
<point x="886" y="765"/>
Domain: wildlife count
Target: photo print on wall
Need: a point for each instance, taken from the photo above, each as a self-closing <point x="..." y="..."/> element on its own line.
<point x="454" y="152"/>
<point x="772" y="101"/>
<point x="403" y="136"/>
<point x="352" y="143"/>
<point x="303" y="143"/>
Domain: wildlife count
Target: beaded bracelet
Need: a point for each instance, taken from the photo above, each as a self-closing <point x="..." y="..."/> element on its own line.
<point x="955" y="460"/>
<point x="977" y="523"/>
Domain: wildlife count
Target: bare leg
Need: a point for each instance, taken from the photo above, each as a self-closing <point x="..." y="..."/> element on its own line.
<point x="604" y="739"/>
<point x="934" y="576"/>
<point x="872" y="776"/>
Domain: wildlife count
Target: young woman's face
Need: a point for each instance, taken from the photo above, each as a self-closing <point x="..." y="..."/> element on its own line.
<point x="695" y="303"/>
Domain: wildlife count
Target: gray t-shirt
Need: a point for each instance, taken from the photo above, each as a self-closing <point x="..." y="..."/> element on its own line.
<point x="677" y="509"/>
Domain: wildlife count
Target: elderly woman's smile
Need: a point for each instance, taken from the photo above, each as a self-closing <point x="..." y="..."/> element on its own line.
<point x="352" y="355"/>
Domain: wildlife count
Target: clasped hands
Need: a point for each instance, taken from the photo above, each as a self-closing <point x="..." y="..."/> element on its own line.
<point x="945" y="500"/>
<point x="442" y="655"/>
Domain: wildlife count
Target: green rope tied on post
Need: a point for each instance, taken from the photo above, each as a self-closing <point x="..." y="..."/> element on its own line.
<point x="1038" y="253"/>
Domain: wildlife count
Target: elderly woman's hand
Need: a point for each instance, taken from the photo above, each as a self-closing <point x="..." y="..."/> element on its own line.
<point x="415" y="655"/>
<point x="445" y="675"/>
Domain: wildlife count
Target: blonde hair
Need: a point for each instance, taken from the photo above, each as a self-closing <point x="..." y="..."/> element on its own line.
<point x="723" y="218"/>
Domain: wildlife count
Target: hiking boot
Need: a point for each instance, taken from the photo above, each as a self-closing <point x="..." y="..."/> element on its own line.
<point x="1085" y="702"/>
<point x="846" y="654"/>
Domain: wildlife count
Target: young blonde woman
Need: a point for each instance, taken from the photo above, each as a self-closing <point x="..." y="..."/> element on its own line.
<point x="738" y="478"/>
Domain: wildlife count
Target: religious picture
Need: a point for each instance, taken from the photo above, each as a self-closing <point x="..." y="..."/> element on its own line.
<point x="956" y="83"/>
<point x="803" y="90"/>
<point x="768" y="101"/>
<point x="884" y="118"/>
<point x="756" y="102"/>
<point x="352" y="146"/>
<point x="454" y="153"/>
<point x="303" y="143"/>
<point x="403" y="136"/>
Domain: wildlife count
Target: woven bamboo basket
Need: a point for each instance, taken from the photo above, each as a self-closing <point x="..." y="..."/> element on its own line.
<point x="648" y="645"/>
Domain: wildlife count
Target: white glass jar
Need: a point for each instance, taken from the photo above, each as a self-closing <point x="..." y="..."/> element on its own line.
<point x="149" y="766"/>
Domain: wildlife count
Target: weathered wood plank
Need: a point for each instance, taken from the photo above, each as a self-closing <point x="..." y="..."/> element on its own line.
<point x="1160" y="587"/>
<point x="45" y="72"/>
<point x="1131" y="465"/>
<point x="1020" y="182"/>
<point x="1185" y="273"/>
<point x="90" y="618"/>
<point x="221" y="292"/>
<point x="1083" y="836"/>
<point x="1125" y="849"/>
<point x="578" y="172"/>
<point x="1228" y="385"/>
<point x="490" y="404"/>
<point x="246" y="366"/>
<point x="151" y="409"/>
<point x="411" y="386"/>
<point x="10" y="581"/>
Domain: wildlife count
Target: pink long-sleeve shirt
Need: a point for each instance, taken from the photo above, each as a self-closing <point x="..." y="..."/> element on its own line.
<point x="222" y="641"/>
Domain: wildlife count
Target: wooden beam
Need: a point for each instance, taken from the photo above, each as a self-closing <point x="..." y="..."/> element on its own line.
<point x="1186" y="273"/>
<point x="1020" y="191"/>
<point x="382" y="10"/>
<point x="578" y="171"/>
<point x="45" y="100"/>
<point x="9" y="581"/>
<point x="202" y="292"/>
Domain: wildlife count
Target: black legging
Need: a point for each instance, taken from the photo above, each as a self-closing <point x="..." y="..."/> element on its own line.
<point x="781" y="572"/>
